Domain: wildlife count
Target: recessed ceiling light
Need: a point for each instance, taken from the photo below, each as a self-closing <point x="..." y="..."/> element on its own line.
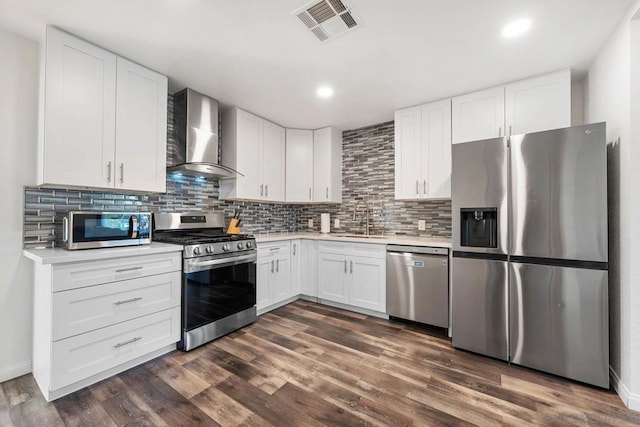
<point x="516" y="28"/>
<point x="325" y="92"/>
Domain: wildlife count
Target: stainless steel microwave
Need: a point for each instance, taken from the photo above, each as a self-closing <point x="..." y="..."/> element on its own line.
<point x="87" y="230"/>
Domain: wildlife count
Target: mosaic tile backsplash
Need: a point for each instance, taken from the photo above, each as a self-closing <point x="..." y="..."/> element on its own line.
<point x="368" y="174"/>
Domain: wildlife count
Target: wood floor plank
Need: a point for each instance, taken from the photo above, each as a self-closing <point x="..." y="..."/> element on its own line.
<point x="220" y="407"/>
<point x="305" y="364"/>
<point x="273" y="409"/>
<point x="181" y="379"/>
<point x="166" y="402"/>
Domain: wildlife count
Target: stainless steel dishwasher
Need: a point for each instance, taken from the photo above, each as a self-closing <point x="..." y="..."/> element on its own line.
<point x="418" y="284"/>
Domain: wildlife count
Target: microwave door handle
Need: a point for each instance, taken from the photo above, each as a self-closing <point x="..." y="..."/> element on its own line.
<point x="134" y="226"/>
<point x="65" y="229"/>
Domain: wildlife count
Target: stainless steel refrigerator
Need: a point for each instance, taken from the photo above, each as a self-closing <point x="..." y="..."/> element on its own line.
<point x="529" y="275"/>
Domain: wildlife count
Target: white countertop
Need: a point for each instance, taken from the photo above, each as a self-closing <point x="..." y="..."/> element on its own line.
<point x="59" y="255"/>
<point x="438" y="242"/>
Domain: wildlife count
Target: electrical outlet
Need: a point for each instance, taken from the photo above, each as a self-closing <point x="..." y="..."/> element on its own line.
<point x="336" y="223"/>
<point x="310" y="223"/>
<point x="422" y="224"/>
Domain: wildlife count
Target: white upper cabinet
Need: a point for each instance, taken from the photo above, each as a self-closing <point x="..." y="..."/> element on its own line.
<point x="79" y="113"/>
<point x="327" y="165"/>
<point x="538" y="104"/>
<point x="273" y="165"/>
<point x="531" y="105"/>
<point x="299" y="165"/>
<point x="256" y="148"/>
<point x="105" y="119"/>
<point x="423" y="151"/>
<point x="141" y="128"/>
<point x="478" y="115"/>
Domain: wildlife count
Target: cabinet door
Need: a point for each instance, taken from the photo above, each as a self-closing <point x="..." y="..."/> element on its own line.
<point x="308" y="275"/>
<point x="327" y="165"/>
<point x="538" y="104"/>
<point x="407" y="154"/>
<point x="273" y="161"/>
<point x="282" y="278"/>
<point x="249" y="156"/>
<point x="296" y="265"/>
<point x="79" y="113"/>
<point x="436" y="150"/>
<point x="368" y="283"/>
<point x="478" y="115"/>
<point x="332" y="275"/>
<point x="265" y="269"/>
<point x="141" y="128"/>
<point x="299" y="165"/>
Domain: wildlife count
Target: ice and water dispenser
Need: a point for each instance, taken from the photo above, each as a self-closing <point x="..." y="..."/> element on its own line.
<point x="479" y="227"/>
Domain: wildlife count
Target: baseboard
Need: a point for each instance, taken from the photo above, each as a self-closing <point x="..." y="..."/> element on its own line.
<point x="15" y="371"/>
<point x="630" y="400"/>
<point x="354" y="309"/>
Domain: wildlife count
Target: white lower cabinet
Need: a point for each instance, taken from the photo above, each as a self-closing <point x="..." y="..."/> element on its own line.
<point x="308" y="273"/>
<point x="353" y="274"/>
<point x="93" y="319"/>
<point x="273" y="274"/>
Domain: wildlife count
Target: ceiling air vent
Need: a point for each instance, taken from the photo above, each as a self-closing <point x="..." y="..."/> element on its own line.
<point x="327" y="19"/>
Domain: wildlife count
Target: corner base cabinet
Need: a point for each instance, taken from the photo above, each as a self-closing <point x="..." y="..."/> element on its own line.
<point x="93" y="319"/>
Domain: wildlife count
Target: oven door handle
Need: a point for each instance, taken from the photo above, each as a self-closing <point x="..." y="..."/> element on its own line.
<point x="193" y="265"/>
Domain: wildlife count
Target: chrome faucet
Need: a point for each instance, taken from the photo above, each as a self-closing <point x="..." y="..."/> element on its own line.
<point x="355" y="209"/>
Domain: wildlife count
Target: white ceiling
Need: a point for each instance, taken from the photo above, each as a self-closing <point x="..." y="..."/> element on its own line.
<point x="254" y="54"/>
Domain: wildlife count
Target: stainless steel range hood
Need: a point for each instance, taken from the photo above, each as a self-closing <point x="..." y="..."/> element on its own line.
<point x="196" y="130"/>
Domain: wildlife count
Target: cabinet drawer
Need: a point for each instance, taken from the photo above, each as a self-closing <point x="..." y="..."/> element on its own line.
<point x="275" y="248"/>
<point x="88" y="354"/>
<point x="86" y="309"/>
<point x="373" y="250"/>
<point x="79" y="275"/>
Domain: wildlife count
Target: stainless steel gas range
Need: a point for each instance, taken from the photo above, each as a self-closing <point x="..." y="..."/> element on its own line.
<point x="218" y="275"/>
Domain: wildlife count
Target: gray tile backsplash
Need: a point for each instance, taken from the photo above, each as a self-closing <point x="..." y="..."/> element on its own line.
<point x="368" y="174"/>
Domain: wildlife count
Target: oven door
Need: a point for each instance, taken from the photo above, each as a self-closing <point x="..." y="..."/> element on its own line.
<point x="215" y="288"/>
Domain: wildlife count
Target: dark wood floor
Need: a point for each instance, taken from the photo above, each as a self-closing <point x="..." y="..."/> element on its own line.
<point x="307" y="364"/>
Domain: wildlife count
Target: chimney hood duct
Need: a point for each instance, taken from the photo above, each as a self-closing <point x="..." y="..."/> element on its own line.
<point x="196" y="130"/>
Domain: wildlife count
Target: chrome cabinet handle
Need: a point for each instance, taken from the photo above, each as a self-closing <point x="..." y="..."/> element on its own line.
<point x="121" y="270"/>
<point x="509" y="130"/>
<point x="424" y="187"/>
<point x="127" y="301"/>
<point x="272" y="264"/>
<point x="417" y="186"/>
<point x="351" y="267"/>
<point x="294" y="249"/>
<point x="327" y="192"/>
<point x="266" y="190"/>
<point x="277" y="266"/>
<point x="499" y="131"/>
<point x="261" y="190"/>
<point x="109" y="172"/>
<point x="345" y="265"/>
<point x="309" y="193"/>
<point x="121" y="173"/>
<point x="131" y="341"/>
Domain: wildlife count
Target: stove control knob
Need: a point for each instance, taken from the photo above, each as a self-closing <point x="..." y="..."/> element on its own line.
<point x="240" y="246"/>
<point x="248" y="245"/>
<point x="197" y="250"/>
<point x="209" y="249"/>
<point x="226" y="247"/>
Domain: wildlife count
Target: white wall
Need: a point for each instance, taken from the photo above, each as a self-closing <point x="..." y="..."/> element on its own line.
<point x="18" y="133"/>
<point x="608" y="98"/>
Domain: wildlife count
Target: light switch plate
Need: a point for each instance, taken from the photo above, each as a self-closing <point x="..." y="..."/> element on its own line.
<point x="336" y="223"/>
<point x="422" y="224"/>
<point x="310" y="223"/>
